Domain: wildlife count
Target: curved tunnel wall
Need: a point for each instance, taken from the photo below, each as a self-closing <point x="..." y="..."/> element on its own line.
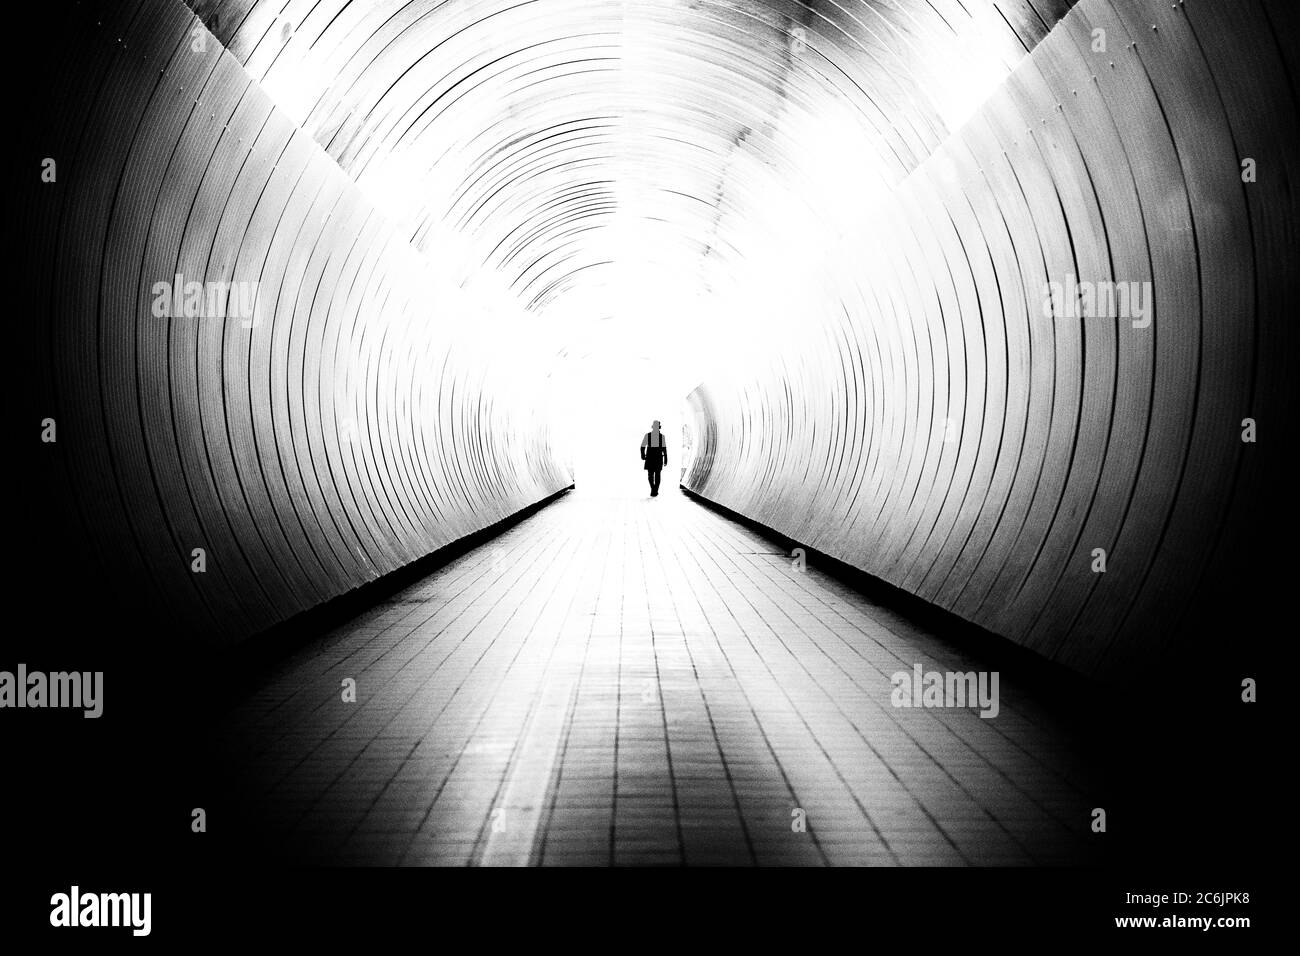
<point x="894" y="393"/>
<point x="310" y="422"/>
<point x="954" y="435"/>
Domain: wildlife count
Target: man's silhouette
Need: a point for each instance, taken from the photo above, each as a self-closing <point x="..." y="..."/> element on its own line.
<point x="654" y="452"/>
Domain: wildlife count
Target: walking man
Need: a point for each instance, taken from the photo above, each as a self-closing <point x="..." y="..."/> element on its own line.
<point x="654" y="452"/>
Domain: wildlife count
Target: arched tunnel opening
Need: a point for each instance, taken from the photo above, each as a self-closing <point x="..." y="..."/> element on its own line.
<point x="969" y="325"/>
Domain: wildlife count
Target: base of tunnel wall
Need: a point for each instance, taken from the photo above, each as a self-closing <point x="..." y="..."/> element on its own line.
<point x="1067" y="690"/>
<point x="247" y="659"/>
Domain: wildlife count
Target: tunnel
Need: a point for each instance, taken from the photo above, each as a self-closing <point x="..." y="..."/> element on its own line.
<point x="970" y="324"/>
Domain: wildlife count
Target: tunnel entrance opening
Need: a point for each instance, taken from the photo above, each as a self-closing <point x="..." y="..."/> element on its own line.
<point x="606" y="410"/>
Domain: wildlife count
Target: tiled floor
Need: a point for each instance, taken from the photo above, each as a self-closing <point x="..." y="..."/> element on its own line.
<point x="642" y="681"/>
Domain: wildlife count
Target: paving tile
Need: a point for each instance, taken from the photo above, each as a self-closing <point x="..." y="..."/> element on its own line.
<point x="643" y="682"/>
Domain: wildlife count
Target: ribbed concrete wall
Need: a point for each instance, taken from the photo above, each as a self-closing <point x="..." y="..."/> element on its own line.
<point x="336" y="432"/>
<point x="945" y="433"/>
<point x="894" y="393"/>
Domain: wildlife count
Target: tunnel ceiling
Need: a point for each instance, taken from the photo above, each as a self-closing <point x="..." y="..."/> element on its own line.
<point x="593" y="160"/>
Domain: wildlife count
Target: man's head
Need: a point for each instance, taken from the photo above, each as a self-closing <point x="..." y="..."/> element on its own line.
<point x="655" y="423"/>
